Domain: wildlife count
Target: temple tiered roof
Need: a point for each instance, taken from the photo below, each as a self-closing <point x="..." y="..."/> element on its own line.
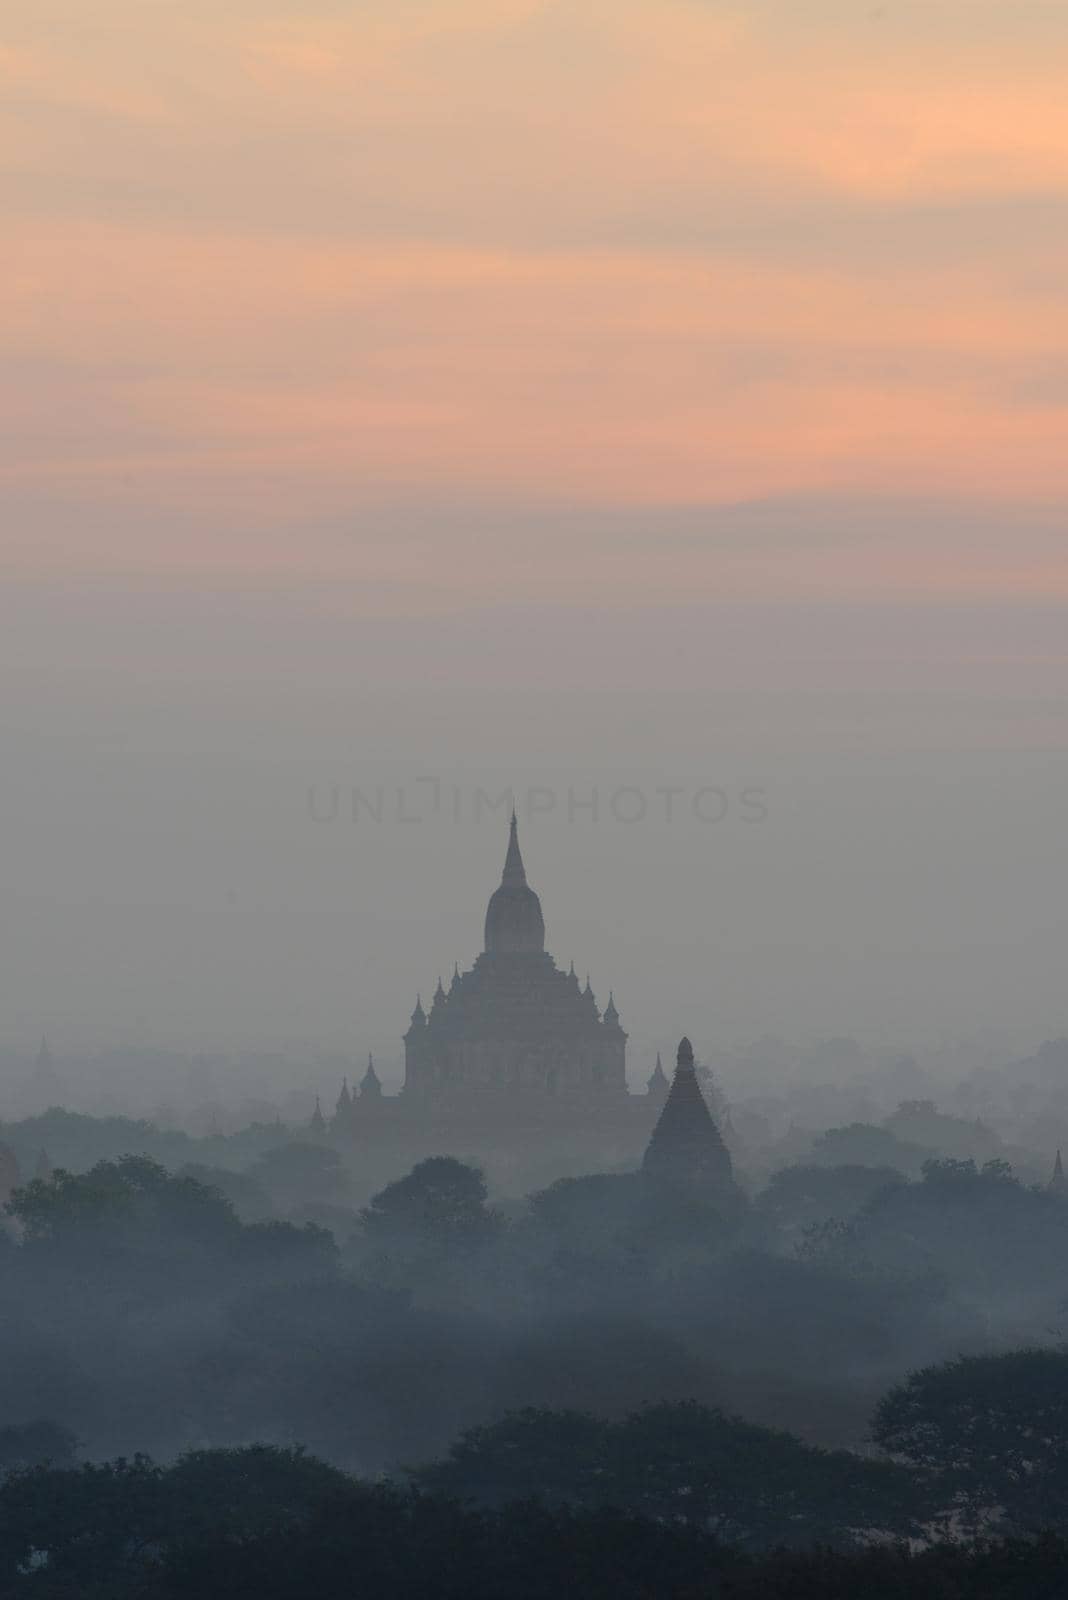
<point x="686" y="1146"/>
<point x="515" y="1020"/>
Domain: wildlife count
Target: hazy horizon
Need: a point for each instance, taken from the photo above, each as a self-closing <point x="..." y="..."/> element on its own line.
<point x="634" y="395"/>
<point x="190" y="870"/>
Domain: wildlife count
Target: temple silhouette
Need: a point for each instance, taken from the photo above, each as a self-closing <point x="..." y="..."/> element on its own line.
<point x="515" y="1062"/>
<point x="686" y="1149"/>
<point x="515" y="1024"/>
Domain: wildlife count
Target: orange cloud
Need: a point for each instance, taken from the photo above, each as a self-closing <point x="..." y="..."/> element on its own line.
<point x="477" y="248"/>
<point x="609" y="377"/>
<point x="53" y="79"/>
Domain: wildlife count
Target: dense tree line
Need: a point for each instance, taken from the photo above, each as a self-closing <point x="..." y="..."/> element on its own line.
<point x="278" y="1525"/>
<point x="150" y="1310"/>
<point x="754" y="1488"/>
<point x="978" y="1447"/>
<point x="559" y="1373"/>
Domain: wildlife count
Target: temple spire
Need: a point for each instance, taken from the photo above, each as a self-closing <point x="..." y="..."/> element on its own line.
<point x="1058" y="1184"/>
<point x="371" y="1087"/>
<point x="514" y="923"/>
<point x="657" y="1086"/>
<point x="686" y="1148"/>
<point x="514" y="875"/>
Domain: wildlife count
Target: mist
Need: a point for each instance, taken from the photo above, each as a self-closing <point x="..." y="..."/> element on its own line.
<point x="258" y="818"/>
<point x="533" y="1039"/>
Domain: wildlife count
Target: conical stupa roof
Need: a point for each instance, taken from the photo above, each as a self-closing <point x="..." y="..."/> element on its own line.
<point x="514" y="923"/>
<point x="686" y="1145"/>
<point x="1058" y="1184"/>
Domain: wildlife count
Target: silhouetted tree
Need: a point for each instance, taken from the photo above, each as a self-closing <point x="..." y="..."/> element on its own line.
<point x="866" y="1144"/>
<point x="441" y="1202"/>
<point x="753" y="1487"/>
<point x="800" y="1196"/>
<point x="277" y="1525"/>
<point x="132" y="1197"/>
<point x="991" y="1432"/>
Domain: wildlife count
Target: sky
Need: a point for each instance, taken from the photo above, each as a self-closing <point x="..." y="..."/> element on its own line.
<point x="599" y="394"/>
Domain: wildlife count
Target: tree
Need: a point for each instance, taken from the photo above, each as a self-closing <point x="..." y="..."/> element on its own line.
<point x="599" y="1214"/>
<point x="803" y="1196"/>
<point x="278" y="1525"/>
<point x="865" y="1144"/>
<point x="985" y="1234"/>
<point x="990" y="1433"/>
<point x="247" y="1196"/>
<point x="89" y="1526"/>
<point x="441" y="1202"/>
<point x="243" y="1493"/>
<point x="129" y="1198"/>
<point x="560" y="1457"/>
<point x="753" y="1487"/>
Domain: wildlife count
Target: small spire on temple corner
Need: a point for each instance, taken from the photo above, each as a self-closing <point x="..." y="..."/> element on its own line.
<point x="371" y="1087"/>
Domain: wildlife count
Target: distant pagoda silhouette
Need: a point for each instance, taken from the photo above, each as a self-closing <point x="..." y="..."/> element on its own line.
<point x="371" y="1083"/>
<point x="512" y="1051"/>
<point x="686" y="1149"/>
<point x="658" y="1086"/>
<point x="515" y="1025"/>
<point x="1058" y="1184"/>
